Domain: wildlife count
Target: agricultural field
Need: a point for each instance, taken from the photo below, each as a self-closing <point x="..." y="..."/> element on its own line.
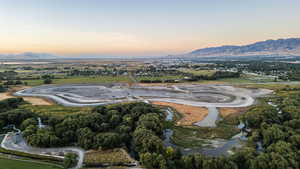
<point x="112" y="157"/>
<point x="83" y="79"/>
<point x="15" y="164"/>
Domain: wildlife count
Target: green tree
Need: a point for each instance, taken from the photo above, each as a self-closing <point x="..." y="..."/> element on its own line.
<point x="28" y="122"/>
<point x="70" y="160"/>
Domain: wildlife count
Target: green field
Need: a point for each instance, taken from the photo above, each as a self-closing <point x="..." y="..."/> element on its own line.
<point x="17" y="164"/>
<point x="84" y="79"/>
<point x="162" y="78"/>
<point x="199" y="72"/>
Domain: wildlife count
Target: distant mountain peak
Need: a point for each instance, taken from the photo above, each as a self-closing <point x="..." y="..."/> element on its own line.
<point x="29" y="56"/>
<point x="289" y="46"/>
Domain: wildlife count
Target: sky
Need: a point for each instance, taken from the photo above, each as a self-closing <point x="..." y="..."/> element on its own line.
<point x="141" y="27"/>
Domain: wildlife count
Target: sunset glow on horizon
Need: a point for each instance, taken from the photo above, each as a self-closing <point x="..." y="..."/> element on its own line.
<point x="141" y="28"/>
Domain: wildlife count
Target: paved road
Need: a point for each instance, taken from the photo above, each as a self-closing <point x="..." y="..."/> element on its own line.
<point x="22" y="146"/>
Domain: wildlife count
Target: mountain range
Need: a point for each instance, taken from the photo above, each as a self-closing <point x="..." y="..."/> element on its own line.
<point x="280" y="47"/>
<point x="28" y="56"/>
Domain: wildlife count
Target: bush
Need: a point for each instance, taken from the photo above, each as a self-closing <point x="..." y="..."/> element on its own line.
<point x="70" y="160"/>
<point x="47" y="81"/>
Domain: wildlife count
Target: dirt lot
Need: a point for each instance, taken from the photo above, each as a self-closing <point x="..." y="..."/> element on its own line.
<point x="191" y="114"/>
<point x="32" y="100"/>
<point x="229" y="111"/>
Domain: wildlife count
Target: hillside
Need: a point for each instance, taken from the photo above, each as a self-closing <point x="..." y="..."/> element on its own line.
<point x="286" y="47"/>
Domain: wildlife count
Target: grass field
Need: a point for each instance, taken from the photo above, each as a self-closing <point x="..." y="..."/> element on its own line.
<point x="56" y="110"/>
<point x="17" y="164"/>
<point x="81" y="79"/>
<point x="199" y="72"/>
<point x="162" y="78"/>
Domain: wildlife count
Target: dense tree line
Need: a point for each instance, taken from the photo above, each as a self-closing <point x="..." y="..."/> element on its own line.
<point x="99" y="72"/>
<point x="191" y="77"/>
<point x="104" y="127"/>
<point x="13" y="82"/>
<point x="10" y="114"/>
<point x="285" y="71"/>
<point x="258" y="66"/>
<point x="8" y="75"/>
<point x="277" y="129"/>
<point x="217" y="75"/>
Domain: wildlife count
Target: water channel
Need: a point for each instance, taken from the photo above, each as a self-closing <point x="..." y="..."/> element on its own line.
<point x="218" y="146"/>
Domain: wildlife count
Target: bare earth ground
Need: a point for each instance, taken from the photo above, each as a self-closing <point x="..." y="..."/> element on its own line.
<point x="38" y="101"/>
<point x="32" y="100"/>
<point x="229" y="111"/>
<point x="5" y="95"/>
<point x="191" y="114"/>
